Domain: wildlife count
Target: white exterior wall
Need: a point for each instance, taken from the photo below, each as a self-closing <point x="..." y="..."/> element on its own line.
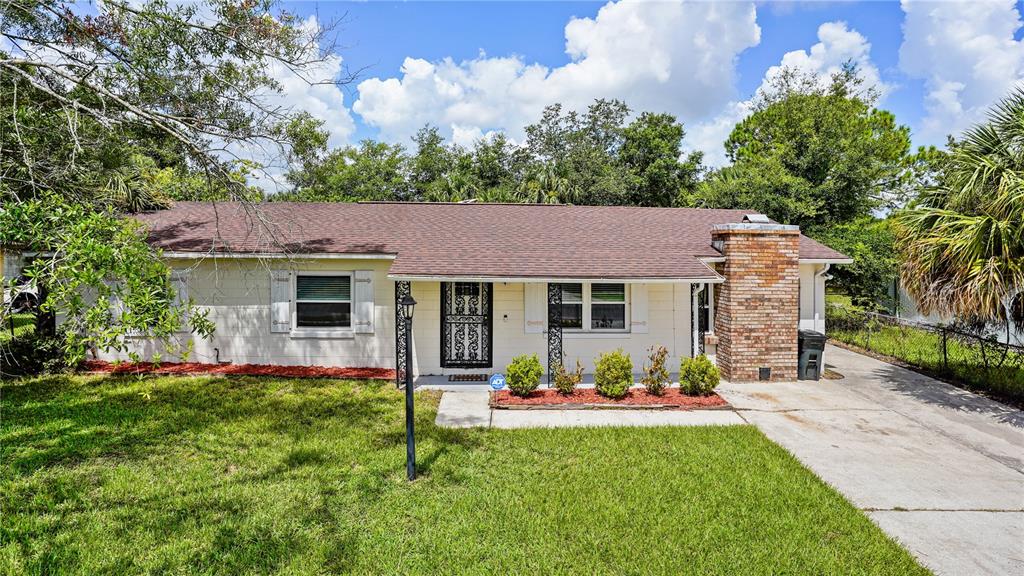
<point x="668" y="325"/>
<point x="812" y="297"/>
<point x="236" y="293"/>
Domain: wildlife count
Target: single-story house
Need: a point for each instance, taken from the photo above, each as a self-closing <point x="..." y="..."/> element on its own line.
<point x="317" y="284"/>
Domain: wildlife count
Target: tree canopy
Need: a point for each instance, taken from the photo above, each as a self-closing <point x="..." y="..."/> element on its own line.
<point x="813" y="155"/>
<point x="121" y="108"/>
<point x="595" y="157"/>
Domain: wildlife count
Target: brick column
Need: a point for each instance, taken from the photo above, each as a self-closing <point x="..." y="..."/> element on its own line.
<point x="757" y="307"/>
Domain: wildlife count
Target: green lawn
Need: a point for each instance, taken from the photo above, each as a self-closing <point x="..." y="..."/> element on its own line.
<point x="216" y="476"/>
<point x="964" y="361"/>
<point x="16" y="325"/>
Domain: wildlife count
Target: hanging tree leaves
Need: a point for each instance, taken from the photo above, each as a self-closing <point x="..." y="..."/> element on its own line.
<point x="113" y="107"/>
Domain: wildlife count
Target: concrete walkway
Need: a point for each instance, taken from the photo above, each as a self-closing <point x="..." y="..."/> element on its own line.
<point x="939" y="469"/>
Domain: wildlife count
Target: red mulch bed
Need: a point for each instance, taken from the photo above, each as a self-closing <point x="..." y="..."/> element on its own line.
<point x="589" y="398"/>
<point x="238" y="370"/>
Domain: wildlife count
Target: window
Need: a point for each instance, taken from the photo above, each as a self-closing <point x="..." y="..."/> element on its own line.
<point x="608" y="306"/>
<point x="323" y="301"/>
<point x="572" y="305"/>
<point x="594" y="307"/>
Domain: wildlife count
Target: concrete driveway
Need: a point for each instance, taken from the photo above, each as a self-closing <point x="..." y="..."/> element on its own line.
<point x="939" y="469"/>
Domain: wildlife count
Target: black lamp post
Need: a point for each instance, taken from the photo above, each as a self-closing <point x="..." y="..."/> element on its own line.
<point x="408" y="304"/>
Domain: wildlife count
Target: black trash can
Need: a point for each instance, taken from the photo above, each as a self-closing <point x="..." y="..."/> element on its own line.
<point x="811" y="346"/>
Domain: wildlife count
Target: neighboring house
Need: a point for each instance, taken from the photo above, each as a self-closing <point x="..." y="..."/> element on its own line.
<point x="316" y="284"/>
<point x="18" y="293"/>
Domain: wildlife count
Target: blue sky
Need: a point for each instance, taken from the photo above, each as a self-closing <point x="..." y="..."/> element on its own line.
<point x="474" y="68"/>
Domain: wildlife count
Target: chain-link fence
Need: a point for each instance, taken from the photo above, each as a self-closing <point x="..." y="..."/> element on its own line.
<point x="974" y="357"/>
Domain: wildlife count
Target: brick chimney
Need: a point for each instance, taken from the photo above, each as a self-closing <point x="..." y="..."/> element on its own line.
<point x="757" y="307"/>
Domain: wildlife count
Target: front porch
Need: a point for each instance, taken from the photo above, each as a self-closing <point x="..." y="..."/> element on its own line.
<point x="471" y="328"/>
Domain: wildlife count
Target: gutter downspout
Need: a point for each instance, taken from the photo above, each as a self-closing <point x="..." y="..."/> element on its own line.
<point x="818" y="316"/>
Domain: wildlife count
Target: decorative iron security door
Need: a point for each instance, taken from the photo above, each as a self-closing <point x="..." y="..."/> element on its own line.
<point x="466" y="334"/>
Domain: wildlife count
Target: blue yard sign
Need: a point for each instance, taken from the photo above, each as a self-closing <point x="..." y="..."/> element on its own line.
<point x="497" y="381"/>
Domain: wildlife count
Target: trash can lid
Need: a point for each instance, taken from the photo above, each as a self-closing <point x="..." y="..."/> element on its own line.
<point x="811" y="335"/>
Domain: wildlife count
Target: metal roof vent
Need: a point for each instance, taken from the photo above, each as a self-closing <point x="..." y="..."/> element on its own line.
<point x="756" y="219"/>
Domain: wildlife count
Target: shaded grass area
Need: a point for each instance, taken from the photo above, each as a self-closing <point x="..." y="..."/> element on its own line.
<point x="16" y="325"/>
<point x="214" y="475"/>
<point x="965" y="362"/>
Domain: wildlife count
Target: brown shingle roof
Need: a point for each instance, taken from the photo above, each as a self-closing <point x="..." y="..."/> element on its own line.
<point x="464" y="240"/>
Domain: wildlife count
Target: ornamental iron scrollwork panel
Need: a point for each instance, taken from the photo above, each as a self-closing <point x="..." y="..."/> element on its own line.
<point x="466" y="317"/>
<point x="554" y="330"/>
<point x="402" y="340"/>
<point x="702" y="313"/>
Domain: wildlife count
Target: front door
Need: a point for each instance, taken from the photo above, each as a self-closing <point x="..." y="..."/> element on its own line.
<point x="466" y="334"/>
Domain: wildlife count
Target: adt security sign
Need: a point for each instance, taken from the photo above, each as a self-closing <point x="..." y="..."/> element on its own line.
<point x="497" y="381"/>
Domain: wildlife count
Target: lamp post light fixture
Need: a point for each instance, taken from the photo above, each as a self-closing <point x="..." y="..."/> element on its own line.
<point x="408" y="304"/>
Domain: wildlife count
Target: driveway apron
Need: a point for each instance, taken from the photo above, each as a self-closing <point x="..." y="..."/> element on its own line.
<point x="939" y="469"/>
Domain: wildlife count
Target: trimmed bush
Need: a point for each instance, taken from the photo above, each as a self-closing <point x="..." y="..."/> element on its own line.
<point x="697" y="376"/>
<point x="565" y="381"/>
<point x="523" y="374"/>
<point x="613" y="374"/>
<point x="656" y="377"/>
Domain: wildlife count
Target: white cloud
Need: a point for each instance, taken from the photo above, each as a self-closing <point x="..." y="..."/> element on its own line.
<point x="837" y="44"/>
<point x="314" y="92"/>
<point x="709" y="136"/>
<point x="675" y="57"/>
<point x="967" y="56"/>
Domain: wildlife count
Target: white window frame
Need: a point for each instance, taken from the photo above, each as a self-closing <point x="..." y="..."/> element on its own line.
<point x="588" y="314"/>
<point x="322" y="331"/>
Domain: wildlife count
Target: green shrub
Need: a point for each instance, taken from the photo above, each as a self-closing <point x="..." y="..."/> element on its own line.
<point x="613" y="374"/>
<point x="31" y="354"/>
<point x="565" y="381"/>
<point x="523" y="374"/>
<point x="697" y="376"/>
<point x="656" y="377"/>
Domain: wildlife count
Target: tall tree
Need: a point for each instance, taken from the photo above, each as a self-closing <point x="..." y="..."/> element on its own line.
<point x="94" y="103"/>
<point x="870" y="278"/>
<point x="811" y="154"/>
<point x="371" y="171"/>
<point x="583" y="149"/>
<point x="652" y="154"/>
<point x="962" y="239"/>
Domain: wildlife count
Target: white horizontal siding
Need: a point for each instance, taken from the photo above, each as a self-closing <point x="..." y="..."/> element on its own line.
<point x="236" y="294"/>
<point x="812" y="298"/>
<point x="668" y="321"/>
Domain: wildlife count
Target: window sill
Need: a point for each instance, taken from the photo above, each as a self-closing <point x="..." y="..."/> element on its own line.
<point x="593" y="335"/>
<point x="322" y="334"/>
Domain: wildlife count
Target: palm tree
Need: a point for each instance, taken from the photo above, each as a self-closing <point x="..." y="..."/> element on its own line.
<point x="545" y="186"/>
<point x="963" y="239"/>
